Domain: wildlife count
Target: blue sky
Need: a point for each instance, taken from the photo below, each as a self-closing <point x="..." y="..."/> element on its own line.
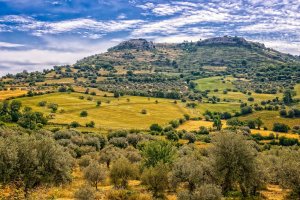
<point x="37" y="34"/>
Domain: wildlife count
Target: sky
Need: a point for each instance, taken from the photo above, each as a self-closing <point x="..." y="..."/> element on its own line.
<point x="38" y="34"/>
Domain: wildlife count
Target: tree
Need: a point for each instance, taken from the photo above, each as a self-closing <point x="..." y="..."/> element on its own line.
<point x="95" y="173"/>
<point x="109" y="154"/>
<point x="34" y="160"/>
<point x="84" y="113"/>
<point x="235" y="163"/>
<point x="192" y="171"/>
<point x="156" y="127"/>
<point x="156" y="178"/>
<point x="217" y="123"/>
<point x="289" y="171"/>
<point x="288" y="97"/>
<point x="191" y="137"/>
<point x="98" y="103"/>
<point x="122" y="170"/>
<point x="15" y="107"/>
<point x="259" y="122"/>
<point x="158" y="151"/>
<point x="85" y="193"/>
<point x="280" y="127"/>
<point x="204" y="192"/>
<point x="91" y="124"/>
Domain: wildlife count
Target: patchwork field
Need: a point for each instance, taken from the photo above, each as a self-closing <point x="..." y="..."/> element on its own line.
<point x="124" y="112"/>
<point x="194" y="125"/>
<point x="11" y="93"/>
<point x="212" y="83"/>
<point x="270" y="117"/>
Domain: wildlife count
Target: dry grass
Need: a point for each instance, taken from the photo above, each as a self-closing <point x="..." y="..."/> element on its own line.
<point x="194" y="125"/>
<point x="271" y="117"/>
<point x="11" y="93"/>
<point x="117" y="114"/>
<point x="267" y="133"/>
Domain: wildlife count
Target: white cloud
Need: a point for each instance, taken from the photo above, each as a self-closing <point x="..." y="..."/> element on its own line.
<point x="40" y="28"/>
<point x="10" y="45"/>
<point x="56" y="52"/>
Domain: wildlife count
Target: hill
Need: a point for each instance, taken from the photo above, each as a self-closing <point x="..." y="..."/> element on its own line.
<point x="141" y="67"/>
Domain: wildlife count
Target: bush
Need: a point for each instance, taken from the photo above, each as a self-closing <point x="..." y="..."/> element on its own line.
<point x="120" y="142"/>
<point x="144" y="111"/>
<point x="203" y="130"/>
<point x="156" y="178"/>
<point x="280" y="127"/>
<point x="85" y="193"/>
<point x="84" y="113"/>
<point x="91" y="124"/>
<point x="156" y="127"/>
<point x="122" y="170"/>
<point x="191" y="137"/>
<point x="74" y="124"/>
<point x="250" y="99"/>
<point x="283" y="113"/>
<point x="171" y="135"/>
<point x="42" y="103"/>
<point x="246" y="110"/>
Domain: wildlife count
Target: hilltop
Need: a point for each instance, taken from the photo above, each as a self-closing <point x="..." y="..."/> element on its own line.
<point x="170" y="67"/>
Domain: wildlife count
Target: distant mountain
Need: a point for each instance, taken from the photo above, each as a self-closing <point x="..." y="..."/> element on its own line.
<point x="141" y="62"/>
<point x="138" y="44"/>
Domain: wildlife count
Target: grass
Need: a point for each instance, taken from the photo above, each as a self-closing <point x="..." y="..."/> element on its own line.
<point x="236" y="96"/>
<point x="212" y="83"/>
<point x="271" y="117"/>
<point x="267" y="133"/>
<point x="194" y="125"/>
<point x="118" y="114"/>
<point x="297" y="89"/>
<point x="11" y="93"/>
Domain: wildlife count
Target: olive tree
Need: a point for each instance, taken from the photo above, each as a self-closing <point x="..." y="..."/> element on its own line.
<point x="121" y="171"/>
<point x="95" y="173"/>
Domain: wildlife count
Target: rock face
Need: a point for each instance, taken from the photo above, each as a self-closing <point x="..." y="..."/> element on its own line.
<point x="138" y="44"/>
<point x="229" y="41"/>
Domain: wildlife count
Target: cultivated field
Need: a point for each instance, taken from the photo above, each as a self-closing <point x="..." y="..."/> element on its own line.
<point x="113" y="113"/>
<point x="11" y="93"/>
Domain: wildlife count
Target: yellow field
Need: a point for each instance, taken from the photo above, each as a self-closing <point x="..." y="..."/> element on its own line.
<point x="271" y="117"/>
<point x="194" y="125"/>
<point x="119" y="113"/>
<point x="267" y="133"/>
<point x="212" y="83"/>
<point x="11" y="93"/>
<point x="236" y="96"/>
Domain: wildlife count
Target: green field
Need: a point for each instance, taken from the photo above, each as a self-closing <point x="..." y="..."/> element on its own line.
<point x="212" y="83"/>
<point x="119" y="113"/>
<point x="271" y="117"/>
<point x="236" y="96"/>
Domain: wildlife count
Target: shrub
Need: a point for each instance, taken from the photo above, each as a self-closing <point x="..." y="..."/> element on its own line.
<point x="144" y="111"/>
<point x="280" y="127"/>
<point x="283" y="113"/>
<point x="122" y="170"/>
<point x="85" y="193"/>
<point x="246" y="110"/>
<point x="156" y="127"/>
<point x="42" y="103"/>
<point x="250" y="99"/>
<point x="203" y="130"/>
<point x="120" y="142"/>
<point x="84" y="113"/>
<point x="95" y="173"/>
<point x="74" y="124"/>
<point x="173" y="136"/>
<point x="191" y="137"/>
<point x="156" y="178"/>
<point x="91" y="124"/>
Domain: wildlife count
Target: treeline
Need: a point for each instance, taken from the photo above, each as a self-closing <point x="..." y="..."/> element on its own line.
<point x="234" y="166"/>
